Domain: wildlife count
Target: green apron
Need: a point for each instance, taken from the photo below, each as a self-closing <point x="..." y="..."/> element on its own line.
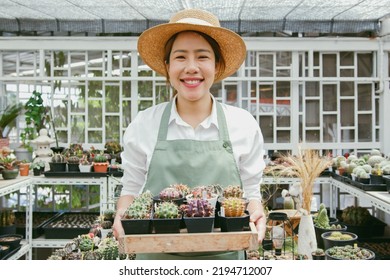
<point x="193" y="163"/>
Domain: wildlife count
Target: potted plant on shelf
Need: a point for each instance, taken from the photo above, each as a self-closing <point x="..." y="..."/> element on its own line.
<point x="58" y="163"/>
<point x="100" y="163"/>
<point x="85" y="165"/>
<point x="198" y="215"/>
<point x="24" y="168"/>
<point x="8" y="166"/>
<point x="8" y="121"/>
<point x="73" y="163"/>
<point x="38" y="167"/>
<point x="318" y="254"/>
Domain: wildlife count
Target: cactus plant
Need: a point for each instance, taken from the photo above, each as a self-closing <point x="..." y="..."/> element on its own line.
<point x="170" y="193"/>
<point x="184" y="189"/>
<point x="58" y="158"/>
<point x="197" y="208"/>
<point x="137" y="210"/>
<point x="233" y="191"/>
<point x="233" y="207"/>
<point x="355" y="215"/>
<point x="100" y="158"/>
<point x="166" y="210"/>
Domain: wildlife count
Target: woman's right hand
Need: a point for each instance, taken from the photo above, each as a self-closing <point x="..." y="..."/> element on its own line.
<point x="117" y="228"/>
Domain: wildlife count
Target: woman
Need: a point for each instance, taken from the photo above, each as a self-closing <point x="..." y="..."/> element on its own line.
<point x="194" y="139"/>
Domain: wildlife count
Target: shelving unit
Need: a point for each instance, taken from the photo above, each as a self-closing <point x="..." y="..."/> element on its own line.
<point x="7" y="187"/>
<point x="110" y="186"/>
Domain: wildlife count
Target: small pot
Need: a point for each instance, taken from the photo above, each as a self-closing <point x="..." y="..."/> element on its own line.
<point x="199" y="224"/>
<point x="137" y="226"/>
<point x="328" y="243"/>
<point x="12" y="240"/>
<point x="233" y="223"/>
<point x="166" y="225"/>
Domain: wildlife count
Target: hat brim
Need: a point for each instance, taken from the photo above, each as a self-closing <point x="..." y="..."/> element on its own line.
<point x="151" y="45"/>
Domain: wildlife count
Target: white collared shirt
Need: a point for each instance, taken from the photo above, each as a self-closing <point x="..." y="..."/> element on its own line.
<point x="141" y="136"/>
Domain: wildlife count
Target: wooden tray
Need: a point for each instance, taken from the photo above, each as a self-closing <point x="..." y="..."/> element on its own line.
<point x="190" y="242"/>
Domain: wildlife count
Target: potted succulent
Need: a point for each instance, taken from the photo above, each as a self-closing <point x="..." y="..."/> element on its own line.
<point x="233" y="191"/>
<point x="137" y="217"/>
<point x="198" y="215"/>
<point x="100" y="163"/>
<point x="376" y="176"/>
<point x="349" y="252"/>
<point x="205" y="193"/>
<point x="38" y="167"/>
<point x="58" y="163"/>
<point x="322" y="224"/>
<point x="338" y="238"/>
<point x="8" y="166"/>
<point x="318" y="254"/>
<point x="24" y="168"/>
<point x="84" y="164"/>
<point x="73" y="164"/>
<point x="170" y="194"/>
<point x="232" y="216"/>
<point x="166" y="217"/>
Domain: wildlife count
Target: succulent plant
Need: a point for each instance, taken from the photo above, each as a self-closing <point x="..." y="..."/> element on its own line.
<point x="86" y="243"/>
<point x="322" y="219"/>
<point x="100" y="158"/>
<point x="375" y="159"/>
<point x="108" y="214"/>
<point x="92" y="255"/>
<point x="233" y="191"/>
<point x="203" y="192"/>
<point x="58" y="158"/>
<point x="106" y="224"/>
<point x="73" y="160"/>
<point x="197" y="208"/>
<point x="108" y="248"/>
<point x="349" y="252"/>
<point x="137" y="210"/>
<point x="170" y="193"/>
<point x="233" y="207"/>
<point x="338" y="235"/>
<point x="355" y="215"/>
<point x="166" y="210"/>
<point x="184" y="189"/>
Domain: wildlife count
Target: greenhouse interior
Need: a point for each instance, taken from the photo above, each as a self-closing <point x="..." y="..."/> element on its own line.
<point x="315" y="80"/>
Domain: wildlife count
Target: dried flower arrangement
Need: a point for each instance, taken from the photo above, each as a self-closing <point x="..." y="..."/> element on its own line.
<point x="307" y="166"/>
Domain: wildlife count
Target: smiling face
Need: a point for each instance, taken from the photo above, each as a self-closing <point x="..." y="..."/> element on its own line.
<point x="192" y="66"/>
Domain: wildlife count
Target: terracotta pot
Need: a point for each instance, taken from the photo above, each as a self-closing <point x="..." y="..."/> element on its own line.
<point x="24" y="169"/>
<point x="100" y="167"/>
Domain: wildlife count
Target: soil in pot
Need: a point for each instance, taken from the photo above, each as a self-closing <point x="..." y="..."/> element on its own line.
<point x="338" y="238"/>
<point x="12" y="240"/>
<point x="319" y="231"/>
<point x="4" y="249"/>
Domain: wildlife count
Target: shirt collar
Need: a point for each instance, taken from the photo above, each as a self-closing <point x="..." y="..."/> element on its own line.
<point x="210" y="120"/>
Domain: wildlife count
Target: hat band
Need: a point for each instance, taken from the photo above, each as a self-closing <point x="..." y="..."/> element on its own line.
<point x="194" y="21"/>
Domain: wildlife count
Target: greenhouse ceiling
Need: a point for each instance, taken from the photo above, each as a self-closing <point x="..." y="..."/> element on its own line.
<point x="243" y="16"/>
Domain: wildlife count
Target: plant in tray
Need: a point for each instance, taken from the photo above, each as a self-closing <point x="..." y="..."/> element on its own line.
<point x="100" y="163"/>
<point x="232" y="215"/>
<point x="170" y="194"/>
<point x="58" y="163"/>
<point x="318" y="254"/>
<point x="73" y="163"/>
<point x="137" y="217"/>
<point x="233" y="191"/>
<point x="198" y="215"/>
<point x="84" y="164"/>
<point x="206" y="193"/>
<point x="338" y="238"/>
<point x="166" y="217"/>
<point x="37" y="167"/>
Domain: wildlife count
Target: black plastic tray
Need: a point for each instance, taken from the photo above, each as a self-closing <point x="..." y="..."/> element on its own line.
<point x="37" y="229"/>
<point x="10" y="253"/>
<point x="52" y="232"/>
<point x="75" y="174"/>
<point x="369" y="187"/>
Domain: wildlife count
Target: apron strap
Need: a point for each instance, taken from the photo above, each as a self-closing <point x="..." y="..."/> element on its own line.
<point x="163" y="130"/>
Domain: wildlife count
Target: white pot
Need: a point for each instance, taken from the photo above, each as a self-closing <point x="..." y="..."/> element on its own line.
<point x="85" y="168"/>
<point x="307" y="242"/>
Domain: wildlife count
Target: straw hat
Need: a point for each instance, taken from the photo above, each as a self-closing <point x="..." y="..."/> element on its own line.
<point x="151" y="43"/>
